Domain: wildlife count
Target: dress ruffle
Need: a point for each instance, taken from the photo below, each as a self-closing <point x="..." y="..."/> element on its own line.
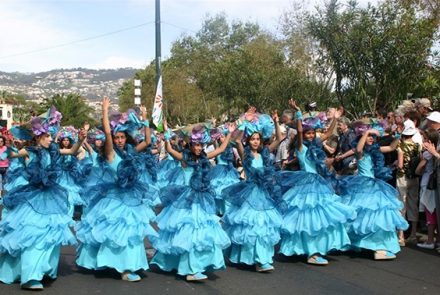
<point x="221" y="177"/>
<point x="314" y="216"/>
<point x="376" y="203"/>
<point x="174" y="176"/>
<point x="113" y="222"/>
<point x="245" y="225"/>
<point x="23" y="228"/>
<point x="185" y="230"/>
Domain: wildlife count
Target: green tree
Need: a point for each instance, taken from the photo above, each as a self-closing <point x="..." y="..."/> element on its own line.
<point x="74" y="108"/>
<point x="377" y="54"/>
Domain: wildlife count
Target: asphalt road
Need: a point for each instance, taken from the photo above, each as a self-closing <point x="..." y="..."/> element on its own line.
<point x="414" y="272"/>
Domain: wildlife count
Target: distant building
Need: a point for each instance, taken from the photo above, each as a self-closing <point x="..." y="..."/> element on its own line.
<point x="5" y="114"/>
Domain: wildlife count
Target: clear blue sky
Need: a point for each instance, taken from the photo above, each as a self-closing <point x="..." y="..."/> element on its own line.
<point x="30" y="25"/>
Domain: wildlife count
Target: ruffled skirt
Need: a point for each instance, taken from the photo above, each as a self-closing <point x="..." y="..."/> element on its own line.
<point x="254" y="230"/>
<point x="30" y="243"/>
<point x="190" y="239"/>
<point x="73" y="189"/>
<point x="315" y="218"/>
<point x="378" y="212"/>
<point x="112" y="235"/>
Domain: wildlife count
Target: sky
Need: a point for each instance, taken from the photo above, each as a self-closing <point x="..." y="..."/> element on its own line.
<point x="40" y="35"/>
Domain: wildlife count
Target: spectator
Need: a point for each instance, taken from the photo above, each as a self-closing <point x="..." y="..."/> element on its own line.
<point x="427" y="195"/>
<point x="407" y="180"/>
<point x="345" y="148"/>
<point x="4" y="162"/>
<point x="424" y="107"/>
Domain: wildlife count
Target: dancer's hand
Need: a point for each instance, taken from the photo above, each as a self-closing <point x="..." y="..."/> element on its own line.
<point x="293" y="105"/>
<point x="105" y="103"/>
<point x="275" y="117"/>
<point x="232" y="127"/>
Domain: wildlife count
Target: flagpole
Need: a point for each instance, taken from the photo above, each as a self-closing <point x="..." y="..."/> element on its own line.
<point x="157" y="114"/>
<point x="158" y="43"/>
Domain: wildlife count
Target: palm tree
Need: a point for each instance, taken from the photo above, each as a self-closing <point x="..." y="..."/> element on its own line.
<point x="74" y="108"/>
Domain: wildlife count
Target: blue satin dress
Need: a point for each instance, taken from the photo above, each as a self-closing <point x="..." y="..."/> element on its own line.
<point x="314" y="216"/>
<point x="37" y="223"/>
<point x="191" y="239"/>
<point x="117" y="219"/>
<point x="253" y="221"/>
<point x="377" y="206"/>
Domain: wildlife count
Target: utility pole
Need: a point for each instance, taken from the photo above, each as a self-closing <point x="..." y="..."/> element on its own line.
<point x="158" y="42"/>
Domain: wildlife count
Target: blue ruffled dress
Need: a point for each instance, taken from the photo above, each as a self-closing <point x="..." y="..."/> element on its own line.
<point x="253" y="221"/>
<point x="191" y="239"/>
<point x="377" y="206"/>
<point x="314" y="216"/>
<point x="117" y="219"/>
<point x="15" y="176"/>
<point x="71" y="178"/>
<point x="148" y="173"/>
<point x="165" y="166"/>
<point x="221" y="176"/>
<point x="37" y="223"/>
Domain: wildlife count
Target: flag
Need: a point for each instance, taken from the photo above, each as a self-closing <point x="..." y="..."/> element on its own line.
<point x="157" y="107"/>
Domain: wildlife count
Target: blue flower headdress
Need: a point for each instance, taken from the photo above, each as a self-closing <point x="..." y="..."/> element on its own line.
<point x="127" y="122"/>
<point x="49" y="122"/>
<point x="68" y="132"/>
<point x="317" y="122"/>
<point x="251" y="123"/>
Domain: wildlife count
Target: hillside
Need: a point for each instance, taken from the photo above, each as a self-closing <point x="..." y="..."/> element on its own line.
<point x="91" y="84"/>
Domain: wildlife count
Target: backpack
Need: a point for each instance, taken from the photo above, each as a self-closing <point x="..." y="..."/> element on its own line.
<point x="414" y="160"/>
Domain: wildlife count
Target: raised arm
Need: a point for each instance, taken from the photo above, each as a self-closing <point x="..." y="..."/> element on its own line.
<point x="332" y="126"/>
<point x="89" y="148"/>
<point x="108" y="146"/>
<point x="299" y="129"/>
<point x="273" y="146"/>
<point x="390" y="148"/>
<point x="240" y="148"/>
<point x="74" y="149"/>
<point x="175" y="154"/>
<point x="361" y="144"/>
<point x="222" y="147"/>
<point x="147" y="132"/>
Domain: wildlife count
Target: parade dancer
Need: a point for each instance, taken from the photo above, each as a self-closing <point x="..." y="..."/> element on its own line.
<point x="376" y="202"/>
<point x="191" y="239"/>
<point x="118" y="211"/>
<point x="252" y="220"/>
<point x="314" y="218"/>
<point x="38" y="222"/>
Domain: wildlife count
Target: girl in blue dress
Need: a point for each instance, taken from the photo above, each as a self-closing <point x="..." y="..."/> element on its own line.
<point x="314" y="216"/>
<point x="191" y="239"/>
<point x="376" y="202"/>
<point x="223" y="174"/>
<point x="71" y="177"/>
<point x="253" y="221"/>
<point x="118" y="211"/>
<point x="37" y="224"/>
<point x="170" y="169"/>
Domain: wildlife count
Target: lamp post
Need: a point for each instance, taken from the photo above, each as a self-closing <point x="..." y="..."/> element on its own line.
<point x="137" y="91"/>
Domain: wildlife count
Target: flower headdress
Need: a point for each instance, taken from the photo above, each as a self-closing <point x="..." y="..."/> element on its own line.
<point x="128" y="122"/>
<point x="68" y="132"/>
<point x="251" y="123"/>
<point x="200" y="134"/>
<point x="360" y="127"/>
<point x="317" y="122"/>
<point x="48" y="122"/>
<point x="95" y="134"/>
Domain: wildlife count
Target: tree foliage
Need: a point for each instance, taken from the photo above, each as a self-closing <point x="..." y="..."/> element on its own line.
<point x="73" y="107"/>
<point x="378" y="54"/>
<point x="363" y="58"/>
